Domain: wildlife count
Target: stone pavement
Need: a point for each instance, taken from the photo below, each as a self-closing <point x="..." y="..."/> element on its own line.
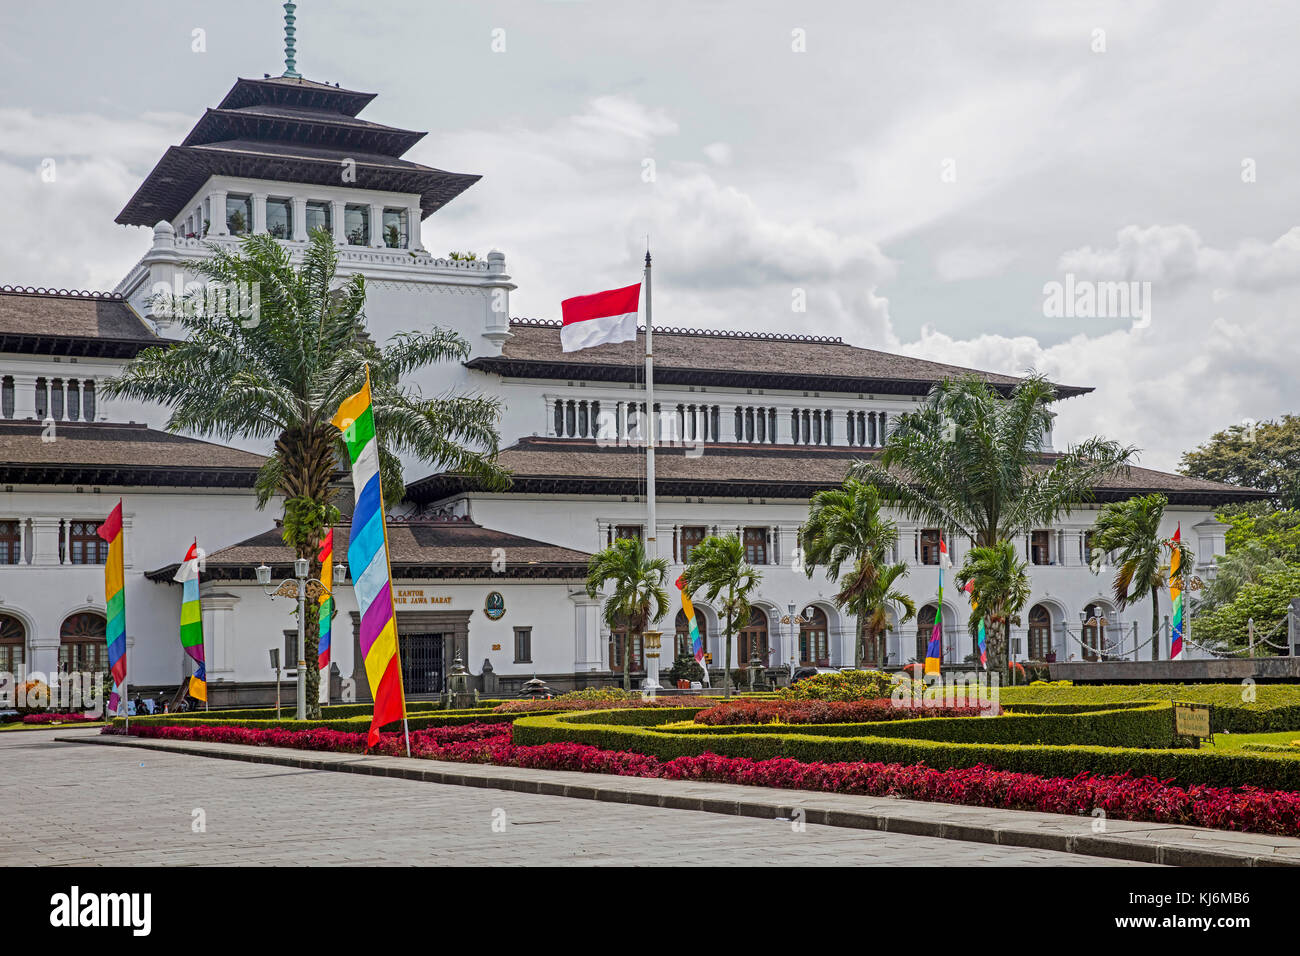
<point x="68" y="803"/>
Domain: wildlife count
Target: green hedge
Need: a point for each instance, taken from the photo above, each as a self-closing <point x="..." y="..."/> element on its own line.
<point x="330" y="712"/>
<point x="1144" y="726"/>
<point x="357" y="724"/>
<point x="1183" y="766"/>
<point x="1276" y="706"/>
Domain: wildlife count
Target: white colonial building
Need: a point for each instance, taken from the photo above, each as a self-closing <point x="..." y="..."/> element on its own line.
<point x="760" y="422"/>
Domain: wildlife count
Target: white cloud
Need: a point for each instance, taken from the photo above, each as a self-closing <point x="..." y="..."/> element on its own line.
<point x="972" y="262"/>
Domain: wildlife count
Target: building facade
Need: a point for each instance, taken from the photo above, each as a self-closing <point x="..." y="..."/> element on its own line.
<point x="753" y="424"/>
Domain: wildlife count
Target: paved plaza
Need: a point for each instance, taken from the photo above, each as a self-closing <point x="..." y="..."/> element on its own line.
<point x="71" y="804"/>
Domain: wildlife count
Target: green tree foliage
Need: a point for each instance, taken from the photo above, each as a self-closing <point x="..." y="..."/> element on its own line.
<point x="280" y="374"/>
<point x="1264" y="456"/>
<point x="1265" y="599"/>
<point x="1131" y="529"/>
<point x="637" y="591"/>
<point x="718" y="567"/>
<point x="1000" y="588"/>
<point x="847" y="534"/>
<point x="973" y="461"/>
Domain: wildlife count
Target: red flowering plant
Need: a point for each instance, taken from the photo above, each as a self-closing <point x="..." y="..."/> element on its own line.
<point x="1122" y="796"/>
<point x="54" y="718"/>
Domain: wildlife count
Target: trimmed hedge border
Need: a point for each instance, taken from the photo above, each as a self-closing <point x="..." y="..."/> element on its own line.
<point x="1147" y="727"/>
<point x="1276" y="706"/>
<point x="626" y="731"/>
<point x="416" y="721"/>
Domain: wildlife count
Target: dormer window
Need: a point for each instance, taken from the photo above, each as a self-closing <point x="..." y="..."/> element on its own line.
<point x="279" y="218"/>
<point x="239" y="215"/>
<point x="395" y="229"/>
<point x="319" y="216"/>
<point x="356" y="224"/>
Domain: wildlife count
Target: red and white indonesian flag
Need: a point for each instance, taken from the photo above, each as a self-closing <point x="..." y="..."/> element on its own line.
<point x="600" y="318"/>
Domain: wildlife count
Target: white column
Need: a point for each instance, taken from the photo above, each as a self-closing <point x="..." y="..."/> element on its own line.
<point x="24" y="397"/>
<point x="336" y="217"/>
<point x="376" y="225"/>
<point x="217" y="225"/>
<point x="22" y="540"/>
<point x="259" y="213"/>
<point x="67" y="542"/>
<point x="300" y="218"/>
<point x="45" y="541"/>
<point x="415" y="240"/>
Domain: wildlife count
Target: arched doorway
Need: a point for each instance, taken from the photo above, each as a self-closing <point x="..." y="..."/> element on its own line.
<point x="82" y="648"/>
<point x="1040" y="633"/>
<point x="814" y="640"/>
<point x="924" y="628"/>
<point x="1095" y="632"/>
<point x="682" y="638"/>
<point x="753" y="636"/>
<point x="617" y="647"/>
<point x="13" y="644"/>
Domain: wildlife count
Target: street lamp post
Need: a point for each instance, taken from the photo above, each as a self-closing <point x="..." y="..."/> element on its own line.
<point x="297" y="587"/>
<point x="794" y="620"/>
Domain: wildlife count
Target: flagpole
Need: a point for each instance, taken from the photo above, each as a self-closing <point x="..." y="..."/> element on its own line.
<point x="652" y="541"/>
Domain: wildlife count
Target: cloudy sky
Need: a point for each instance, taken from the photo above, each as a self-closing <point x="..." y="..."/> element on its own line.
<point x="919" y="171"/>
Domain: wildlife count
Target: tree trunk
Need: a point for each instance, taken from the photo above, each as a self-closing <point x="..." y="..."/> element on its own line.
<point x="859" y="639"/>
<point x="995" y="638"/>
<point x="726" y="664"/>
<point x="1155" y="624"/>
<point x="627" y="659"/>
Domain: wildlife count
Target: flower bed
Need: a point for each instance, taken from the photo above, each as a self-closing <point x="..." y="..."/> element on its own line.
<point x="826" y="712"/>
<point x="70" y="718"/>
<point x="1120" y="796"/>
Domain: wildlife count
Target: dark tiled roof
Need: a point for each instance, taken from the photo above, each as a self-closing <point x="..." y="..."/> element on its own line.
<point x="417" y="549"/>
<point x="64" y="322"/>
<point x="289" y="130"/>
<point x="747" y="360"/>
<point x="561" y="466"/>
<point x="104" y="453"/>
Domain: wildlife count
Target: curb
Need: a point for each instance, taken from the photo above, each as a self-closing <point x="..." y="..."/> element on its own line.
<point x="1010" y="834"/>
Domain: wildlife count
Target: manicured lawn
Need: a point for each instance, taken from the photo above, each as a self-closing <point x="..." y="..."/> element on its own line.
<point x="21" y="726"/>
<point x="1230" y="742"/>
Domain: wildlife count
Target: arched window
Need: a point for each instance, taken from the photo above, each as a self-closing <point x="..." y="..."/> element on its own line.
<point x="753" y="637"/>
<point x="924" y="628"/>
<point x="81" y="643"/>
<point x="1040" y="633"/>
<point x="682" y="640"/>
<point x="814" y="640"/>
<point x="13" y="644"/>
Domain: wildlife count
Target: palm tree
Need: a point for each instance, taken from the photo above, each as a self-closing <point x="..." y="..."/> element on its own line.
<point x="1000" y="588"/>
<point x="845" y="527"/>
<point x="279" y="375"/>
<point x="1131" y="529"/>
<point x="718" y="566"/>
<point x="638" y="595"/>
<point x="871" y="607"/>
<point x="974" y="462"/>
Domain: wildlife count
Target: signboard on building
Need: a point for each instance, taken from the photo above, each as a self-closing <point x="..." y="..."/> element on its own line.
<point x="410" y="598"/>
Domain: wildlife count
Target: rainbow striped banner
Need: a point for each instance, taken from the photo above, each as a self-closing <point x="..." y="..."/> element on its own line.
<point x="368" y="558"/>
<point x="1176" y="598"/>
<point x="326" y="606"/>
<point x="192" y="621"/>
<point x="115" y="603"/>
<point x="697" y="642"/>
<point x="934" y="650"/>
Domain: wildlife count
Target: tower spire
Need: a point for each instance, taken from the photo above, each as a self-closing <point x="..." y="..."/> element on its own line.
<point x="290" y="62"/>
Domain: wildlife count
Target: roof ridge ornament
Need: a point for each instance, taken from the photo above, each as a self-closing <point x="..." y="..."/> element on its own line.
<point x="290" y="60"/>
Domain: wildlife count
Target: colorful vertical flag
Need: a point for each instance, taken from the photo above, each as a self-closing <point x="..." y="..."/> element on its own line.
<point x="326" y="600"/>
<point x="983" y="645"/>
<point x="934" y="651"/>
<point x="697" y="642"/>
<point x="1176" y="597"/>
<point x="368" y="559"/>
<point x="115" y="603"/>
<point x="192" y="621"/>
